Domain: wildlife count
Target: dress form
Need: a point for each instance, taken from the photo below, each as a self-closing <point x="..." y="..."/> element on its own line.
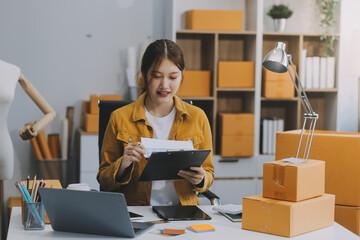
<point x="9" y="76"/>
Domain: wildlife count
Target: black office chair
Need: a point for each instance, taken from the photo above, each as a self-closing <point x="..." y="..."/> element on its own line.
<point x="105" y="110"/>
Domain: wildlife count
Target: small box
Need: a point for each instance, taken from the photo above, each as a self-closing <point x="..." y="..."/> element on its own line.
<point x="286" y="218"/>
<point x="91" y="123"/>
<point x="278" y="89"/>
<point x="237" y="124"/>
<point x="195" y="84"/>
<point x="94" y="109"/>
<point x="272" y="76"/>
<point x="293" y="181"/>
<point x="340" y="152"/>
<point x="236" y="74"/>
<point x="237" y="146"/>
<point x="227" y="20"/>
<point x="348" y="217"/>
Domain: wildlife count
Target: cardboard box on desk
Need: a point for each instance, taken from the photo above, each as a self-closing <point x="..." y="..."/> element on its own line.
<point x="50" y="183"/>
<point x="293" y="181"/>
<point x="195" y="84"/>
<point x="286" y="218"/>
<point x="340" y="151"/>
<point x="237" y="124"/>
<point x="348" y="217"/>
<point x="228" y="20"/>
<point x="236" y="74"/>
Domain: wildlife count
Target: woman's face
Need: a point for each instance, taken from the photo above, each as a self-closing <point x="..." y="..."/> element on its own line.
<point x="164" y="82"/>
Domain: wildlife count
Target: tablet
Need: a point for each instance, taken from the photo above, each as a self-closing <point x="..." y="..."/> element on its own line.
<point x="179" y="212"/>
<point x="166" y="165"/>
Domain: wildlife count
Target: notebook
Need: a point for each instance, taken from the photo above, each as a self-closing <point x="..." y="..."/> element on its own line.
<point x="91" y="212"/>
<point x="179" y="212"/>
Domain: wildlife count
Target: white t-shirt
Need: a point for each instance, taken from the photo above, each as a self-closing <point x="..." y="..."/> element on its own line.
<point x="163" y="191"/>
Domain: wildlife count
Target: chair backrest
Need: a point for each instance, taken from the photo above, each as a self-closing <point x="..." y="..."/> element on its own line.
<point x="105" y="110"/>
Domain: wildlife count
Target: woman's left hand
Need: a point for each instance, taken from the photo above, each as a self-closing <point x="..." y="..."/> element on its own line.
<point x="195" y="176"/>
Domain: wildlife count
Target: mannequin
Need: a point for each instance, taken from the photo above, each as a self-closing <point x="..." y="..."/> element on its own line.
<point x="9" y="76"/>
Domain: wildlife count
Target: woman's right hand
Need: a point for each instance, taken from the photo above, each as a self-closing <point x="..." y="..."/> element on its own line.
<point x="133" y="152"/>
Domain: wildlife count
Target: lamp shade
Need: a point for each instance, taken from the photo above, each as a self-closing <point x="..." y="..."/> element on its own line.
<point x="276" y="60"/>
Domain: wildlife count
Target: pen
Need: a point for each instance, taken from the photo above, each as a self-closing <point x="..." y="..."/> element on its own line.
<point x="27" y="182"/>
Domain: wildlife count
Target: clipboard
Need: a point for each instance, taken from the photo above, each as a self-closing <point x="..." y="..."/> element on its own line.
<point x="166" y="165"/>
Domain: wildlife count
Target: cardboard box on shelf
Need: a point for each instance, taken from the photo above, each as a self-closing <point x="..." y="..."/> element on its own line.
<point x="293" y="181"/>
<point x="348" y="217"/>
<point x="237" y="146"/>
<point x="237" y="123"/>
<point x="235" y="74"/>
<point x="228" y="20"/>
<point x="91" y="123"/>
<point x="286" y="218"/>
<point x="94" y="109"/>
<point x="285" y="77"/>
<point x="195" y="84"/>
<point x="340" y="152"/>
<point x="278" y="89"/>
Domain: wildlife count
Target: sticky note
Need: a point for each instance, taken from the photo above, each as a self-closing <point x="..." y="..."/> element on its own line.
<point x="202" y="228"/>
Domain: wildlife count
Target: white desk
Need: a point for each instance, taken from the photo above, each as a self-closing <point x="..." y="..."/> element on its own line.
<point x="225" y="229"/>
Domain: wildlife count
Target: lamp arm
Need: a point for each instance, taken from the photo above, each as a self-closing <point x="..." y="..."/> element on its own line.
<point x="300" y="90"/>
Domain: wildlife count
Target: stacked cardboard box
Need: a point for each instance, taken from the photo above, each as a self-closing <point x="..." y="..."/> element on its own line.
<point x="340" y="151"/>
<point x="293" y="200"/>
<point x="228" y="20"/>
<point x="237" y="134"/>
<point x="90" y="112"/>
<point x="278" y="85"/>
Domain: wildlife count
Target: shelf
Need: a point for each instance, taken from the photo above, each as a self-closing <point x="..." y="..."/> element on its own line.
<point x="235" y="89"/>
<point x="326" y="90"/>
<point x="279" y="99"/>
<point x="198" y="98"/>
<point x="217" y="32"/>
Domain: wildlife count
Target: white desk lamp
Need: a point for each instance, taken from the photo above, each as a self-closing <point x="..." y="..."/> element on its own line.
<point x="277" y="61"/>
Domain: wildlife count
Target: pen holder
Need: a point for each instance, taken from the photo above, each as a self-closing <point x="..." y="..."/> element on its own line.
<point x="34" y="216"/>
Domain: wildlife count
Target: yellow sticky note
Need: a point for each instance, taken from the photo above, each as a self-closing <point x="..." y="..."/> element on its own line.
<point x="202" y="228"/>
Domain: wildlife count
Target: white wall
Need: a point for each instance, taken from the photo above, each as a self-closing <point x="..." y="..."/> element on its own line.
<point x="69" y="49"/>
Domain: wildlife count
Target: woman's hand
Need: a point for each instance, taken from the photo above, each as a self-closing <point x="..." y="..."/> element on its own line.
<point x="195" y="176"/>
<point x="133" y="152"/>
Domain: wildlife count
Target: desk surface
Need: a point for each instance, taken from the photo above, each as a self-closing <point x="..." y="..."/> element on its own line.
<point x="225" y="229"/>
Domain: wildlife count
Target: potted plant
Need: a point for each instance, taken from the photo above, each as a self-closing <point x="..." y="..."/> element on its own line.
<point x="280" y="13"/>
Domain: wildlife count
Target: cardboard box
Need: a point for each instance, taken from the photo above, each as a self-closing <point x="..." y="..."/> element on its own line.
<point x="91" y="123"/>
<point x="285" y="77"/>
<point x="237" y="124"/>
<point x="236" y="74"/>
<point x="94" y="109"/>
<point x="195" y="84"/>
<point x="340" y="151"/>
<point x="237" y="146"/>
<point x="278" y="89"/>
<point x="50" y="183"/>
<point x="293" y="182"/>
<point x="286" y="218"/>
<point x="228" y="20"/>
<point x="348" y="217"/>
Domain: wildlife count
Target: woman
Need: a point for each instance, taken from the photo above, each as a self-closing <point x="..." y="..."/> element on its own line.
<point x="158" y="114"/>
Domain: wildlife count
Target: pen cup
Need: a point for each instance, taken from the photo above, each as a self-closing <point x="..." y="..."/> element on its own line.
<point x="34" y="216"/>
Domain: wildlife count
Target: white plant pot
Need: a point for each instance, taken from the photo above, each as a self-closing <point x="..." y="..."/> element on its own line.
<point x="280" y="25"/>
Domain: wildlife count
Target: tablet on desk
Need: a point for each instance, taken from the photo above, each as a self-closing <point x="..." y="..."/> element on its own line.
<point x="166" y="165"/>
<point x="179" y="212"/>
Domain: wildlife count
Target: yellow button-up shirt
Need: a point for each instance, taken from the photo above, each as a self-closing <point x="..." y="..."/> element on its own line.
<point x="128" y="124"/>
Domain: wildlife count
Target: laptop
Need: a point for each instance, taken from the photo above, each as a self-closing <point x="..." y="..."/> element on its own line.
<point x="91" y="212"/>
<point x="179" y="213"/>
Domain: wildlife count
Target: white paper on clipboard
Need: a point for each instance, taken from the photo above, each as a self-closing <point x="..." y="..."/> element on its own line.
<point x="159" y="145"/>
